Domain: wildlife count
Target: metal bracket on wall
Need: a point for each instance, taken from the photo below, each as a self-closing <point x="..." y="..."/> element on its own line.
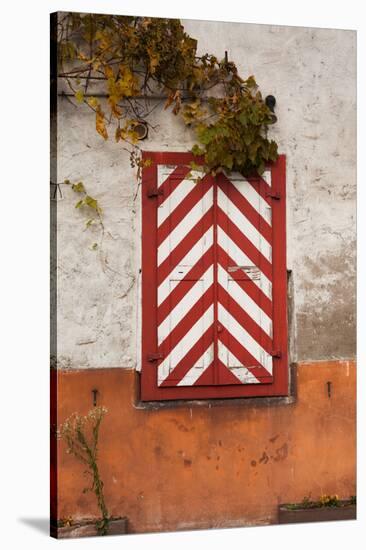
<point x="151" y="357"/>
<point x="273" y="195"/>
<point x="56" y="193"/>
<point x="154" y="193"/>
<point x="95" y="393"/>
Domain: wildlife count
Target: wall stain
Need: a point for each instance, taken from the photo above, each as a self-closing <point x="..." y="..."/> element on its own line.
<point x="281" y="453"/>
<point x="181" y="427"/>
<point x="264" y="458"/>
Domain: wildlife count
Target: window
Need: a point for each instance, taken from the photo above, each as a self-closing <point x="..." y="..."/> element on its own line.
<point x="214" y="284"/>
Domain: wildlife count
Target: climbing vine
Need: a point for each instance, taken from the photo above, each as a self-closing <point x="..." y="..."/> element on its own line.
<point x="91" y="205"/>
<point x="136" y="63"/>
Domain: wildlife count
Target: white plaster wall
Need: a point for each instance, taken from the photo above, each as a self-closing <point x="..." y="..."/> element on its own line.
<point x="312" y="74"/>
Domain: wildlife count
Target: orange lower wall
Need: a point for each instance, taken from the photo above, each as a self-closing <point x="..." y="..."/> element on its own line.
<point x="211" y="466"/>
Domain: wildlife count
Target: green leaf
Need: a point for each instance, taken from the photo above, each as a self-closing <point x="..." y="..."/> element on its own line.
<point x="250" y="82"/>
<point x="95" y="246"/>
<point x="93" y="203"/>
<point x="228" y="161"/>
<point x="247" y="139"/>
<point x="197" y="150"/>
<point x="204" y="134"/>
<point x="80" y="203"/>
<point x="261" y="168"/>
<point x="78" y="187"/>
<point x="195" y="166"/>
<point x="243" y="118"/>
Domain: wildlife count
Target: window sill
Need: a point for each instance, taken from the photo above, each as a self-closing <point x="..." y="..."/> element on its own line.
<point x="246" y="402"/>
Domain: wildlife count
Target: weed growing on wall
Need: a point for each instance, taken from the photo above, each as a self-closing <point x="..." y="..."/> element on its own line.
<point x="81" y="435"/>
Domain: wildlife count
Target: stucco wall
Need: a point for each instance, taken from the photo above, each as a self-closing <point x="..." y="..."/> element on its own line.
<point x="203" y="465"/>
<point x="311" y="72"/>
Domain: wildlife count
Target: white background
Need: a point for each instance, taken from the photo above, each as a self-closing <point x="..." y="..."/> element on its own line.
<point x="24" y="269"/>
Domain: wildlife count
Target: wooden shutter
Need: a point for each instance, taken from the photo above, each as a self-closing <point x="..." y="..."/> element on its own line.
<point x="213" y="282"/>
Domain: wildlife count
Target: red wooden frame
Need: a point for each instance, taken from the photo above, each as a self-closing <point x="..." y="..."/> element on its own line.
<point x="149" y="388"/>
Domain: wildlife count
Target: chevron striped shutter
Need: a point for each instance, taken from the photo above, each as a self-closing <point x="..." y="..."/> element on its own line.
<point x="214" y="283"/>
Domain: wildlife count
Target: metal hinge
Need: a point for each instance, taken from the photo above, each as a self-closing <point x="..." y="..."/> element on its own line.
<point x="154" y="193"/>
<point x="276" y="353"/>
<point x="273" y="195"/>
<point x="151" y="357"/>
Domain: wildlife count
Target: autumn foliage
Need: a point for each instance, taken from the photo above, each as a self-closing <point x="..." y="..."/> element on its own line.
<point x="140" y="63"/>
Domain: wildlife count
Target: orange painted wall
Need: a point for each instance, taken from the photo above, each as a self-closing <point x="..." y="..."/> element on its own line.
<point x="211" y="465"/>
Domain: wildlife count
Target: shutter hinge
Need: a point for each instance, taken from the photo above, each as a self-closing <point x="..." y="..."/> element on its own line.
<point x="273" y="195"/>
<point x="154" y="193"/>
<point x="151" y="357"/>
<point x="276" y="353"/>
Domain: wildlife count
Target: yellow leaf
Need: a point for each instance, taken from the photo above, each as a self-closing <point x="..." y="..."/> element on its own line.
<point x="100" y="124"/>
<point x="90" y="201"/>
<point x="178" y="102"/>
<point x="170" y="100"/>
<point x="83" y="57"/>
<point x="108" y="71"/>
<point x="128" y="82"/>
<point x="93" y="102"/>
<point x="79" y="95"/>
<point x="154" y="59"/>
<point x="116" y="111"/>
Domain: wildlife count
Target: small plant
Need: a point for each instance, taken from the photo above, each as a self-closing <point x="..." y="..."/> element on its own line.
<point x="323" y="502"/>
<point x="81" y="434"/>
<point x="329" y="500"/>
<point x="306" y="502"/>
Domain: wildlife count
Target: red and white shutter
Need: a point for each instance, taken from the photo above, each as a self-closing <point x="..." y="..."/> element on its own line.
<point x="244" y="267"/>
<point x="213" y="282"/>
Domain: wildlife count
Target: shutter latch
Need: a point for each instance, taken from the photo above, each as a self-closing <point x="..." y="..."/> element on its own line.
<point x="154" y="193"/>
<point x="276" y="353"/>
<point x="273" y="195"/>
<point x="151" y="357"/>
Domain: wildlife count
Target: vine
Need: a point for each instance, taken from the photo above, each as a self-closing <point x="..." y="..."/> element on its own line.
<point x="89" y="203"/>
<point x="139" y="62"/>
